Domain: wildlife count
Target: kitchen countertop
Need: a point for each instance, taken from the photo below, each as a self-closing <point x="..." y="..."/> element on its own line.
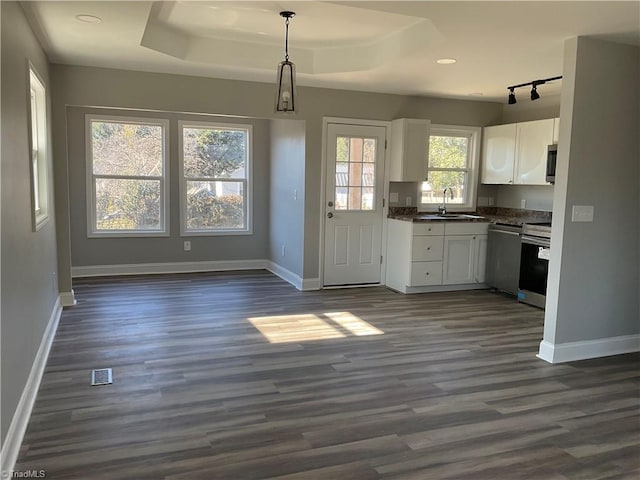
<point x="504" y="217"/>
<point x="434" y="217"/>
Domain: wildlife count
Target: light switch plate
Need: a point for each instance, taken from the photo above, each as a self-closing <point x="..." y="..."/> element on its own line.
<point x="582" y="213"/>
<point x="393" y="197"/>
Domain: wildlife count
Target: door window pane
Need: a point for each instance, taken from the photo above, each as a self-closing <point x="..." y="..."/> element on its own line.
<point x="355" y="173"/>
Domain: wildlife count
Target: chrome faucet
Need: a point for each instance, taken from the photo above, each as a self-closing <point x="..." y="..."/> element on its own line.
<point x="442" y="209"/>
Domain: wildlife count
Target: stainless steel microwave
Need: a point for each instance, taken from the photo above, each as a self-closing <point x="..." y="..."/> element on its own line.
<point x="552" y="154"/>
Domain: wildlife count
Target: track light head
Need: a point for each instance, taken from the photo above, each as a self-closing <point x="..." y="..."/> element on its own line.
<point x="512" y="96"/>
<point x="534" y="93"/>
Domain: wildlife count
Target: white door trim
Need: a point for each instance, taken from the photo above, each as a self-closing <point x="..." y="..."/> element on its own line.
<point x="323" y="180"/>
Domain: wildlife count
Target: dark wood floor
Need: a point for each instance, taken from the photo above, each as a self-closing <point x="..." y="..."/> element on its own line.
<point x="240" y="376"/>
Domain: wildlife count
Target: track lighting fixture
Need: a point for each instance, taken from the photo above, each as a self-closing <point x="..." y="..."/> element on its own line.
<point x="534" y="88"/>
<point x="286" y="91"/>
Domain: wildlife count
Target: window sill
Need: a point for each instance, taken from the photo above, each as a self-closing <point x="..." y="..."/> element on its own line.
<point x="122" y="234"/>
<point x="214" y="233"/>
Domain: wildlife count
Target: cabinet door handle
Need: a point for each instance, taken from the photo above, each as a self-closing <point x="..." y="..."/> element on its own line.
<point x="427" y="274"/>
<point x="428" y="248"/>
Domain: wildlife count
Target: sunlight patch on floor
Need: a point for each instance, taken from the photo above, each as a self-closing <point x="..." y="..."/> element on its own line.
<point x="354" y="324"/>
<point x="309" y="327"/>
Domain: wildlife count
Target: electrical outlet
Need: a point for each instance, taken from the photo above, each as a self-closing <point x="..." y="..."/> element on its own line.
<point x="295" y="194"/>
<point x="283" y="251"/>
<point x="491" y="200"/>
<point x="393" y="197"/>
<point x="407" y="201"/>
<point x="523" y="203"/>
<point x="187" y="246"/>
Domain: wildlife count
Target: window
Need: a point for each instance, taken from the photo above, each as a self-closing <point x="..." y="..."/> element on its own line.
<point x="453" y="162"/>
<point x="215" y="165"/>
<point x="38" y="146"/>
<point x="127" y="176"/>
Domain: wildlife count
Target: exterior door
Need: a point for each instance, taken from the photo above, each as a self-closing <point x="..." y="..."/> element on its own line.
<point x="353" y="204"/>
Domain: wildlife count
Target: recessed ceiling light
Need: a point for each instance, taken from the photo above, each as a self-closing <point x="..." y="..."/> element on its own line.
<point x="476" y="94"/>
<point x="86" y="18"/>
<point x="446" y="61"/>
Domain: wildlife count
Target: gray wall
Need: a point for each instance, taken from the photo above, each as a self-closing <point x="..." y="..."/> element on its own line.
<point x="593" y="278"/>
<point x="536" y="197"/>
<point x="29" y="286"/>
<point x="83" y="86"/>
<point x="286" y="226"/>
<point x="525" y="110"/>
<point x="113" y="251"/>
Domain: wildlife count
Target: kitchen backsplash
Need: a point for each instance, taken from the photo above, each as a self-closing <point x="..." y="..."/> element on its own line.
<point x="494" y="211"/>
<point x="514" y="212"/>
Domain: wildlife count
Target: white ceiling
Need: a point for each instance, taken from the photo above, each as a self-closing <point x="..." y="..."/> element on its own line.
<point x="377" y="46"/>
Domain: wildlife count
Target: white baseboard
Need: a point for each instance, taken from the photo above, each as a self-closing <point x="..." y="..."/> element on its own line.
<point x="286" y="275"/>
<point x="602" y="347"/>
<point x="68" y="299"/>
<point x="189" y="267"/>
<point x="311" y="284"/>
<point x="172" y="267"/>
<point x="20" y="420"/>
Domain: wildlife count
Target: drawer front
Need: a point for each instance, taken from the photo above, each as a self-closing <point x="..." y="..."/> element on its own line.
<point x="427" y="248"/>
<point x="426" y="273"/>
<point x="466" y="228"/>
<point x="428" y="228"/>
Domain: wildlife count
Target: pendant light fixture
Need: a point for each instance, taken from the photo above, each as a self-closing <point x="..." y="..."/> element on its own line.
<point x="286" y="101"/>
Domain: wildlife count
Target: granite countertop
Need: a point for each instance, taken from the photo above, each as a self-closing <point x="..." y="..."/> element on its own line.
<point x="506" y="216"/>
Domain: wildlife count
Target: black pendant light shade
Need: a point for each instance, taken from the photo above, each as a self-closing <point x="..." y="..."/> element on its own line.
<point x="512" y="97"/>
<point x="286" y="80"/>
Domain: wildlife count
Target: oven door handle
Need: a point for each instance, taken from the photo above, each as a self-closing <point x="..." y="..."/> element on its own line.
<point x="505" y="232"/>
<point x="540" y="242"/>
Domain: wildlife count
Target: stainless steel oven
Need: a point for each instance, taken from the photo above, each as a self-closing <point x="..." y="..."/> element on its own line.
<point x="534" y="264"/>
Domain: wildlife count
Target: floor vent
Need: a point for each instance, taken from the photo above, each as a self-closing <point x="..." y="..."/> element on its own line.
<point x="101" y="376"/>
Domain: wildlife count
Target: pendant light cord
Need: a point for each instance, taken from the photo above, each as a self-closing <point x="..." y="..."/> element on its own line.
<point x="286" y="40"/>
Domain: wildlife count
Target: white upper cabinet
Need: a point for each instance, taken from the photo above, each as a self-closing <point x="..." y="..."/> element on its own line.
<point x="498" y="154"/>
<point x="516" y="153"/>
<point x="409" y="150"/>
<point x="532" y="140"/>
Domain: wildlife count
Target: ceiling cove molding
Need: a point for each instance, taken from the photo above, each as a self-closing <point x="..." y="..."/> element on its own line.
<point x="166" y="39"/>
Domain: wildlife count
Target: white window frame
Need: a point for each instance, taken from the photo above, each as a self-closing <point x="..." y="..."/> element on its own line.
<point x="247" y="182"/>
<point x="92" y="231"/>
<point x="473" y="162"/>
<point x="38" y="149"/>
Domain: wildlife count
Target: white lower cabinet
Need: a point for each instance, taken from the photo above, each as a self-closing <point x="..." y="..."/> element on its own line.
<point x="435" y="256"/>
<point x="465" y="259"/>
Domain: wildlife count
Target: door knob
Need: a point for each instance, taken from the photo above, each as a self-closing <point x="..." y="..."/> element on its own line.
<point x="329" y="215"/>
